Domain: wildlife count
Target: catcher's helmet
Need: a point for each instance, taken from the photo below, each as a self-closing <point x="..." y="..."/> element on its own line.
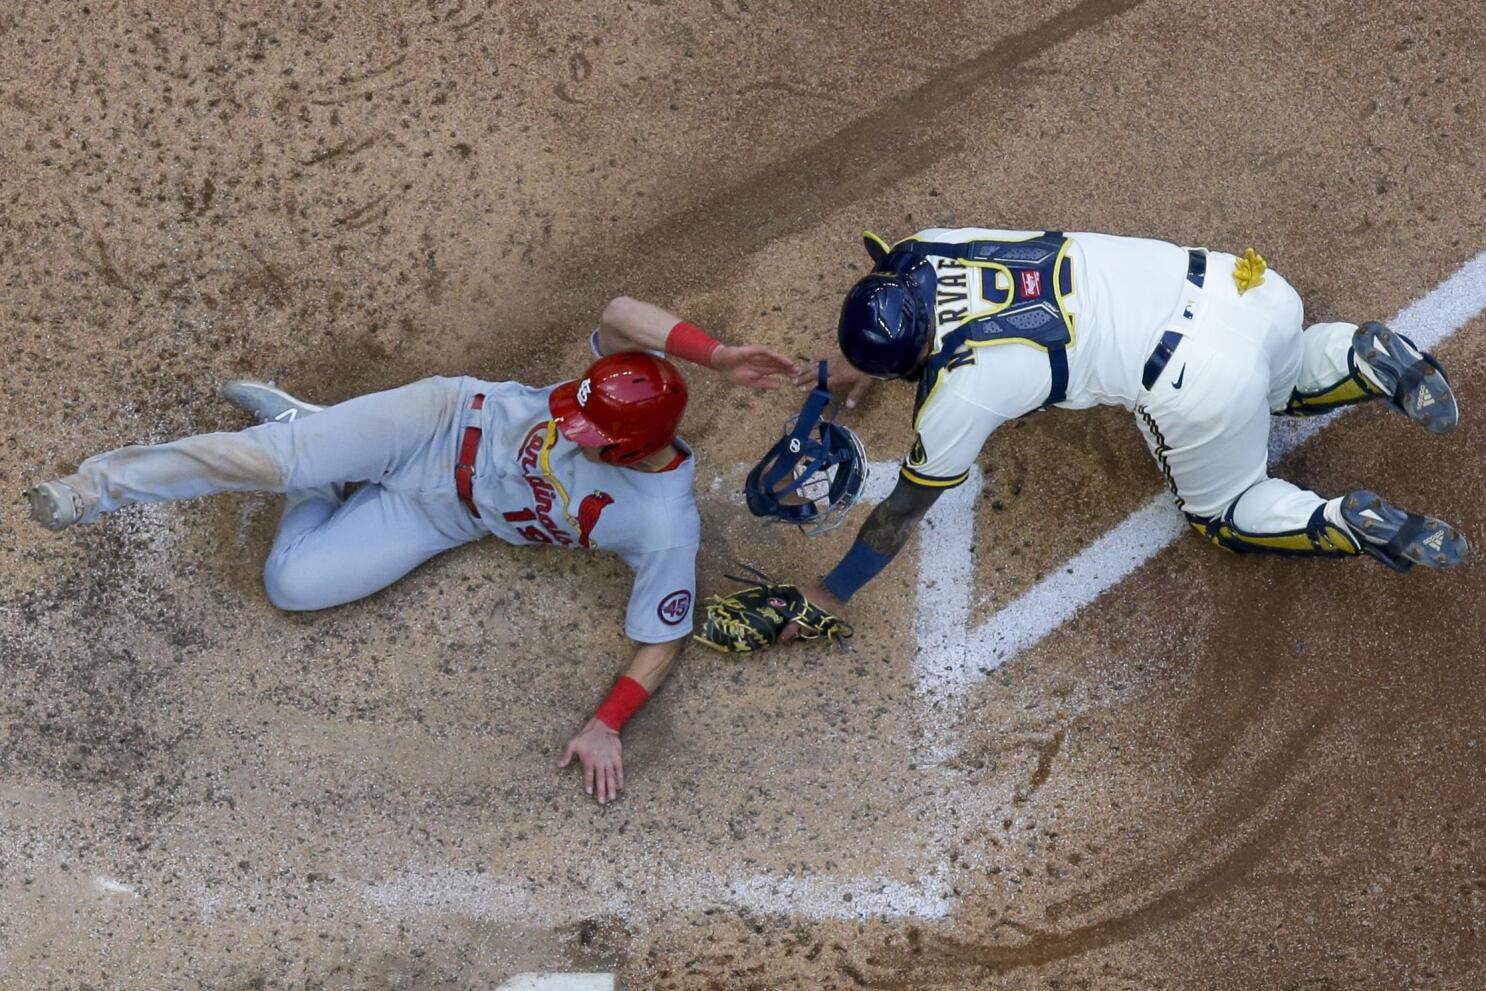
<point x="628" y="405"/>
<point x="887" y="320"/>
<point x="810" y="481"/>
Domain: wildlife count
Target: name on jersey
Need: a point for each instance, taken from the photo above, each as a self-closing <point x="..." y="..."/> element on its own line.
<point x="959" y="296"/>
<point x="541" y="528"/>
<point x="951" y="291"/>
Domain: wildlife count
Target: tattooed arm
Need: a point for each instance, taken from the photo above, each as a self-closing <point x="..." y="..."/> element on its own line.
<point x="894" y="519"/>
<point x="878" y="542"/>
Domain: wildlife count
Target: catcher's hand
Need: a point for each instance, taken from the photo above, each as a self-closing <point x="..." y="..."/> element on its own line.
<point x="752" y="618"/>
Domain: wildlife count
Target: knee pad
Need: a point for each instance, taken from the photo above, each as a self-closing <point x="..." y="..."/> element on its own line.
<point x="1355" y="388"/>
<point x="1318" y="538"/>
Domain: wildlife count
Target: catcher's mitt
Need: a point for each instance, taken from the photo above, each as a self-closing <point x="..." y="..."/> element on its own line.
<point x="751" y="618"/>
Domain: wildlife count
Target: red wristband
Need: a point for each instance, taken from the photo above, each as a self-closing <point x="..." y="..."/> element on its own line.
<point x="691" y="343"/>
<point x="624" y="700"/>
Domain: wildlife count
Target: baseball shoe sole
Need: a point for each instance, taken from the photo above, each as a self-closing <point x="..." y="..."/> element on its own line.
<point x="1413" y="380"/>
<point x="266" y="401"/>
<point x="1399" y="538"/>
<point x="54" y="505"/>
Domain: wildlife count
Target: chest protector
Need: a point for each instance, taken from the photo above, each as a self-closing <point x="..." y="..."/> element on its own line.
<point x="1022" y="282"/>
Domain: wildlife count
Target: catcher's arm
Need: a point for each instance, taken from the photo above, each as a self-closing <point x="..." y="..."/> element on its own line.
<point x="631" y="325"/>
<point x="890" y="525"/>
<point x="597" y="745"/>
<point x="879" y="540"/>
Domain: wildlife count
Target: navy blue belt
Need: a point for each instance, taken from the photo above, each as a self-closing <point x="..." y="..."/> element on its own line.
<point x="1197" y="266"/>
<point x="1159" y="357"/>
<point x="1197" y="275"/>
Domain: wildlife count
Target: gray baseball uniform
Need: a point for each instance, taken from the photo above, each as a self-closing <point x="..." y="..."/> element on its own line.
<point x="531" y="486"/>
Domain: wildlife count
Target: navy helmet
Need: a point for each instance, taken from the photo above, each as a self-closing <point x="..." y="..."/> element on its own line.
<point x="887" y="320"/>
<point x="814" y="474"/>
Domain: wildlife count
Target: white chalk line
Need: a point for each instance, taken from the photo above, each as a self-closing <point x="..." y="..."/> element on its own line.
<point x="945" y="577"/>
<point x="560" y="982"/>
<point x="951" y="657"/>
<point x="491" y="898"/>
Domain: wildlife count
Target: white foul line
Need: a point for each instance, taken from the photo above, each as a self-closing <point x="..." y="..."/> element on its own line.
<point x="951" y="660"/>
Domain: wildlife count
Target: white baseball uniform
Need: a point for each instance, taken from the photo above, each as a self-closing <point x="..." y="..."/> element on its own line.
<point x="1236" y="359"/>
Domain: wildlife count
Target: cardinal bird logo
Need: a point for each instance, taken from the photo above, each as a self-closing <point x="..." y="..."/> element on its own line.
<point x="589" y="511"/>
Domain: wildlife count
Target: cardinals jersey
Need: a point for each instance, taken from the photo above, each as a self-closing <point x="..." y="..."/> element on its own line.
<point x="534" y="486"/>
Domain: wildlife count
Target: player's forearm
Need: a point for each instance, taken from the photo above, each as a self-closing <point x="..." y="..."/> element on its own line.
<point x="630" y="324"/>
<point x="651" y="663"/>
<point x="884" y="534"/>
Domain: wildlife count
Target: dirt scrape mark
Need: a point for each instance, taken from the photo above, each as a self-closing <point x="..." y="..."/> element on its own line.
<point x="345" y="149"/>
<point x="964" y="959"/>
<point x="947" y="958"/>
<point x="898" y="139"/>
<point x="373" y="73"/>
<point x="360" y="95"/>
<point x="792" y="89"/>
<point x="272" y="282"/>
<point x="370" y="212"/>
<point x="104" y="265"/>
<point x="1045" y="754"/>
<point x="1242" y="804"/>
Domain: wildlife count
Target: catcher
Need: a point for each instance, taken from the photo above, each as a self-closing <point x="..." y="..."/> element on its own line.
<point x="591" y="463"/>
<point x="1202" y="346"/>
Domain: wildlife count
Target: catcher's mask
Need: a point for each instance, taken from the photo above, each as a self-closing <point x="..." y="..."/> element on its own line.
<point x="814" y="474"/>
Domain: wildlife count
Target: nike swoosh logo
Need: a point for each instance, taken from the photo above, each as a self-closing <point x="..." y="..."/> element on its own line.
<point x="1178" y="383"/>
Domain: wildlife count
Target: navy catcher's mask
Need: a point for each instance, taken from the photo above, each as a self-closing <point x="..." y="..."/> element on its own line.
<point x="814" y="474"/>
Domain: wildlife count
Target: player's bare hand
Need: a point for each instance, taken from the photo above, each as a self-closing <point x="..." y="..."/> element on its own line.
<point x="598" y="749"/>
<point x="839" y="375"/>
<point x="754" y="366"/>
<point x="818" y="596"/>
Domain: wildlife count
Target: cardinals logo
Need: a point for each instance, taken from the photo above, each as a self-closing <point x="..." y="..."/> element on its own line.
<point x="589" y="511"/>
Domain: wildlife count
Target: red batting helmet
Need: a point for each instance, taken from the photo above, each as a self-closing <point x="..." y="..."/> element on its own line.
<point x="627" y="404"/>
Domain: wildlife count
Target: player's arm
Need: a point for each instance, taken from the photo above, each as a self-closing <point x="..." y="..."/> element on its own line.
<point x="631" y="325"/>
<point x="659" y="619"/>
<point x="952" y="428"/>
<point x="881" y="537"/>
<point x="597" y="744"/>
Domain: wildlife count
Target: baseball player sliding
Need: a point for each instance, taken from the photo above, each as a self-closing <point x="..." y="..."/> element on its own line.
<point x="1202" y="346"/>
<point x="379" y="484"/>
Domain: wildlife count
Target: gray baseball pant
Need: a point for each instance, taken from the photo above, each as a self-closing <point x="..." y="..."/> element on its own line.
<point x="330" y="549"/>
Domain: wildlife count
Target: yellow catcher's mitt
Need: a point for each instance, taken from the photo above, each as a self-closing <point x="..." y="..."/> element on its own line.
<point x="751" y="618"/>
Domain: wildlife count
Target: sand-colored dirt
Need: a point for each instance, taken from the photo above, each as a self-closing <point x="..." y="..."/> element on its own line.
<point x="1227" y="773"/>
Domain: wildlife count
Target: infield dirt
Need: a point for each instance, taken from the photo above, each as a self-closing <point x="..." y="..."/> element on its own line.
<point x="1226" y="773"/>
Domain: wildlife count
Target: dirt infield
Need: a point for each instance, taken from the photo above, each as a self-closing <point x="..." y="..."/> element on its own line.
<point x="1224" y="773"/>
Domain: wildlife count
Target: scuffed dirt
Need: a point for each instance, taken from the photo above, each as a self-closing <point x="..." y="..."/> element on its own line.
<point x="1226" y="773"/>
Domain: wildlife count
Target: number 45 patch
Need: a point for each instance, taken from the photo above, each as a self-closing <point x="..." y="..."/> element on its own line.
<point x="674" y="607"/>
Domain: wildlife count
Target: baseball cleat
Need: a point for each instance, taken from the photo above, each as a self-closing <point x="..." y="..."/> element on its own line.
<point x="1399" y="538"/>
<point x="266" y="401"/>
<point x="1413" y="381"/>
<point x="54" y="505"/>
